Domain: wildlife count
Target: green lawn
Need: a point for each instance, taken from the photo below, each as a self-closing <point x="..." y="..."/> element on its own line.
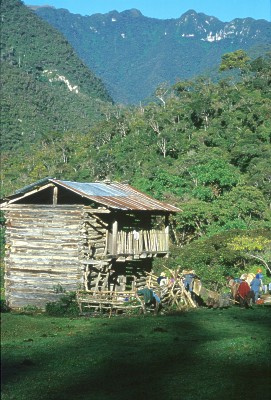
<point x="201" y="354"/>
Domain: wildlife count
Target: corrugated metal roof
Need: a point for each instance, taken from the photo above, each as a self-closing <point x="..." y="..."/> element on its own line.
<point x="27" y="188"/>
<point x="94" y="189"/>
<point x="114" y="195"/>
<point x="117" y="196"/>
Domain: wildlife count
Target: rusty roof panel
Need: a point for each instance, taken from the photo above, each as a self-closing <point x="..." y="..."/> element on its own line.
<point x="117" y="196"/>
<point x="114" y="195"/>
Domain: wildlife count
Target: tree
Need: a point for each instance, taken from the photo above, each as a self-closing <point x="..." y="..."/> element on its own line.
<point x="161" y="93"/>
<point x="193" y="221"/>
<point x="217" y="174"/>
<point x="212" y="259"/>
<point x="242" y="202"/>
<point x="257" y="247"/>
<point x="235" y="60"/>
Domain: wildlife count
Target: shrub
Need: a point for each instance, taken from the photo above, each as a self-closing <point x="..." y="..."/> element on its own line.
<point x="3" y="306"/>
<point x="30" y="309"/>
<point x="66" y="306"/>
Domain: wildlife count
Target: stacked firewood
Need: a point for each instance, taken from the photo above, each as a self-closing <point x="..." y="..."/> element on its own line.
<point x="174" y="294"/>
<point x="171" y="290"/>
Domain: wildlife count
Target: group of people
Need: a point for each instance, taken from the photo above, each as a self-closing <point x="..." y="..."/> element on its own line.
<point x="244" y="290"/>
<point x="247" y="291"/>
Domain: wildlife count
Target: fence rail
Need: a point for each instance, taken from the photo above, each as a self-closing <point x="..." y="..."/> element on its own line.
<point x="109" y="301"/>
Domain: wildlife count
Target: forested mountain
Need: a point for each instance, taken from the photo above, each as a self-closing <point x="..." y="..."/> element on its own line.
<point x="44" y="85"/>
<point x="133" y="54"/>
<point x="204" y="147"/>
<point x="200" y="144"/>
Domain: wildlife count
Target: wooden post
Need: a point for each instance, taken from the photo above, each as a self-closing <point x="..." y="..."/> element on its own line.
<point x="166" y="233"/>
<point x="106" y="247"/>
<point x="55" y="193"/>
<point x="114" y="237"/>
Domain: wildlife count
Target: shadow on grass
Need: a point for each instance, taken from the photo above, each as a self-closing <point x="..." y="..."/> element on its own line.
<point x="170" y="357"/>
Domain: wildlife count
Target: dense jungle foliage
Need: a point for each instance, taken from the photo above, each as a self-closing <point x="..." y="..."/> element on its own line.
<point x="44" y="85"/>
<point x="202" y="146"/>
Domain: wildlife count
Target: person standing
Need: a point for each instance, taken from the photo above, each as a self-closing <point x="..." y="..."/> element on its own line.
<point x="162" y="279"/>
<point x="243" y="293"/>
<point x="255" y="285"/>
<point x="260" y="272"/>
<point x="189" y="280"/>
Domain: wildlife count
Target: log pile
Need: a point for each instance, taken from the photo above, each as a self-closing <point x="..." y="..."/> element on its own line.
<point x="172" y="292"/>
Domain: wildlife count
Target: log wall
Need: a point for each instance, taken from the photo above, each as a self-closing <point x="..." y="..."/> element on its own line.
<point x="52" y="247"/>
<point x="42" y="253"/>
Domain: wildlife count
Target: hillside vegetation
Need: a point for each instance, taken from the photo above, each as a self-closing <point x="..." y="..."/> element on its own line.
<point x="202" y="146"/>
<point x="44" y="85"/>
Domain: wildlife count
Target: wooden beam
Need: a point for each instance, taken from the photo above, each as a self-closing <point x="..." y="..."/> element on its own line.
<point x="90" y="210"/>
<point x="167" y="232"/>
<point x="48" y="207"/>
<point x="114" y="237"/>
<point x="55" y="195"/>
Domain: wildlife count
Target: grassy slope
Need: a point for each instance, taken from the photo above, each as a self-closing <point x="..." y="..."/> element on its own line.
<point x="202" y="354"/>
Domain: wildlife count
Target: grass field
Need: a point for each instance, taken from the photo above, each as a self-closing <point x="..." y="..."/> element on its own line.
<point x="201" y="354"/>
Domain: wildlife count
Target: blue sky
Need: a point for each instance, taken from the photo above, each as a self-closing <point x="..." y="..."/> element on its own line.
<point x="225" y="10"/>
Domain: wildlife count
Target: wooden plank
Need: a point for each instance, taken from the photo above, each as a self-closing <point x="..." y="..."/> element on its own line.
<point x="55" y="195"/>
<point x="23" y="263"/>
<point x="96" y="210"/>
<point x="22" y="246"/>
<point x="46" y="206"/>
<point x="43" y="219"/>
<point x="166" y="232"/>
<point x="44" y="214"/>
<point x="43" y="240"/>
<point x="42" y="279"/>
<point x="35" y="213"/>
<point x="28" y="290"/>
<point x="114" y="237"/>
<point x="26" y="269"/>
<point x="45" y="229"/>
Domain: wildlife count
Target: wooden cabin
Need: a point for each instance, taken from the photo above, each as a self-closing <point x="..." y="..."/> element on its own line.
<point x="66" y="236"/>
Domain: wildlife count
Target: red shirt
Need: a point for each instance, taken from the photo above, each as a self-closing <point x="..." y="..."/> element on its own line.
<point x="243" y="289"/>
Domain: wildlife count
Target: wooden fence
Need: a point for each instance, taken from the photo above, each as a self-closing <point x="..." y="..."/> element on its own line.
<point x="138" y="242"/>
<point x="109" y="301"/>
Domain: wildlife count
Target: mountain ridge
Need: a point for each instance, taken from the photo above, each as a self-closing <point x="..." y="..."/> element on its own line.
<point x="133" y="54"/>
